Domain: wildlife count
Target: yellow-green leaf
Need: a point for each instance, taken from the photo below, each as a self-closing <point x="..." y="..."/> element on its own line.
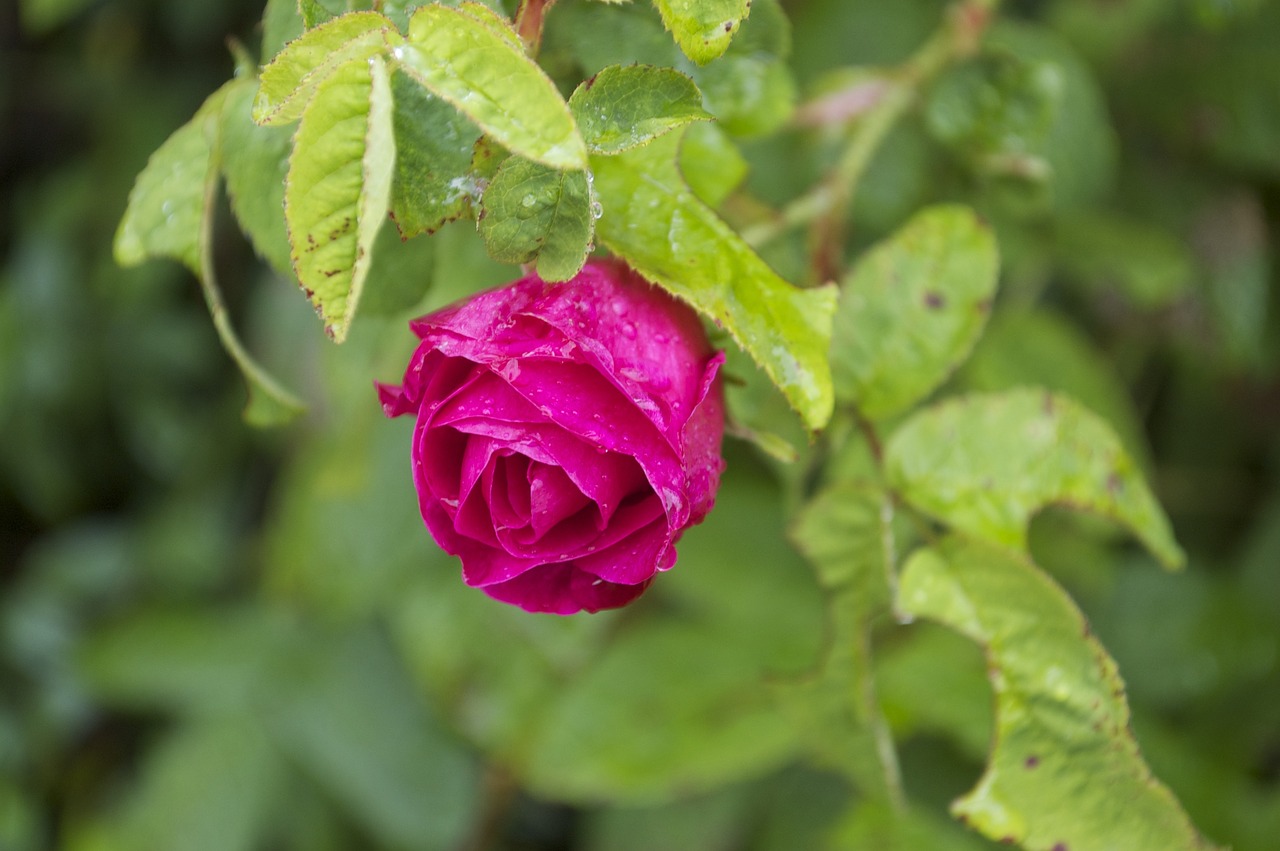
<point x="468" y="63"/>
<point x="339" y="187"/>
<point x="984" y="464"/>
<point x="703" y="28"/>
<point x="167" y="204"/>
<point x="289" y="82"/>
<point x="170" y="215"/>
<point x="1065" y="771"/>
<point x="911" y="310"/>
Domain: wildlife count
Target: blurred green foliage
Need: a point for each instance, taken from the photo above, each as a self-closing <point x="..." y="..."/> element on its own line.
<point x="218" y="638"/>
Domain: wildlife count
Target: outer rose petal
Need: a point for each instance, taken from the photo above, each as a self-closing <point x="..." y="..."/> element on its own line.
<point x="567" y="435"/>
<point x="563" y="589"/>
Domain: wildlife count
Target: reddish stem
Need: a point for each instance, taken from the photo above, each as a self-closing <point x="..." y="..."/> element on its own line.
<point x="529" y="19"/>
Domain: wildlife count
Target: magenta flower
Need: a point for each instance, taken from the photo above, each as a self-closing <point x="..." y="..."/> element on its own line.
<point x="567" y="435"/>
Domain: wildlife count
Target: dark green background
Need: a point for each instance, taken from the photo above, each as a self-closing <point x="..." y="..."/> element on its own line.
<point x="217" y="638"/>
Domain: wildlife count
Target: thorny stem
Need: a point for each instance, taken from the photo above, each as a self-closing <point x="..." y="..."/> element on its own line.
<point x="826" y="204"/>
<point x="529" y="19"/>
<point x="254" y="373"/>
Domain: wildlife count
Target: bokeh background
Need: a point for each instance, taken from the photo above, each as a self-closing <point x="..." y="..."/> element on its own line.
<point x="213" y="637"/>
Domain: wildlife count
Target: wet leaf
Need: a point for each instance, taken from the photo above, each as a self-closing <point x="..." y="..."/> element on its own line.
<point x="625" y="107"/>
<point x="434" y="182"/>
<point x="669" y="236"/>
<point x="486" y="76"/>
<point x="533" y="211"/>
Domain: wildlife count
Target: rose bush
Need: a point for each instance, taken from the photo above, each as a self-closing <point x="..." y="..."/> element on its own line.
<point x="567" y="434"/>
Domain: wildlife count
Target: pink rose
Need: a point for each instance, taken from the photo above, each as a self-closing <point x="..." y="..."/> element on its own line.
<point x="567" y="435"/>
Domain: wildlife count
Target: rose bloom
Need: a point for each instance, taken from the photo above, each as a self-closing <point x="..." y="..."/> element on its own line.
<point x="567" y="434"/>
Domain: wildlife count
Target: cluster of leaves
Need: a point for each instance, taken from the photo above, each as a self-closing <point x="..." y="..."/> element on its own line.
<point x="452" y="118"/>
<point x="815" y="673"/>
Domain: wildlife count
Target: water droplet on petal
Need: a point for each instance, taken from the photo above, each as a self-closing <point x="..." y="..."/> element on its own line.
<point x="629" y="330"/>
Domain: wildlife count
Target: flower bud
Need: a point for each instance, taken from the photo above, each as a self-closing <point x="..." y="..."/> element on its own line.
<point x="567" y="434"/>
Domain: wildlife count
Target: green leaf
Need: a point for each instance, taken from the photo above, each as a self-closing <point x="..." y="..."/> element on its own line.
<point x="711" y="163"/>
<point x="995" y="111"/>
<point x="750" y="89"/>
<point x="170" y="215"/>
<point x="703" y="28"/>
<point x="466" y="62"/>
<point x="492" y="17"/>
<point x="213" y="784"/>
<point x="255" y="162"/>
<point x="434" y="182"/>
<point x="313" y="13"/>
<point x="911" y="310"/>
<point x="281" y="24"/>
<point x="842" y="532"/>
<point x="1079" y="145"/>
<point x="400" y="275"/>
<point x="167" y="205"/>
<point x="705" y="821"/>
<point x="182" y="659"/>
<point x="984" y="464"/>
<point x="656" y="224"/>
<point x="1065" y="771"/>
<point x="846" y="533"/>
<point x="530" y="210"/>
<point x="290" y="81"/>
<point x="880" y="827"/>
<point x="694" y="710"/>
<point x="347" y="714"/>
<point x="625" y="107"/>
<point x="919" y="664"/>
<point x="339" y="187"/>
<point x="1044" y="349"/>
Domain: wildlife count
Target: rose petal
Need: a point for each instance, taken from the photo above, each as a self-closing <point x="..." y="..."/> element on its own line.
<point x="506" y="484"/>
<point x="581" y="534"/>
<point x="633" y="557"/>
<point x="580" y="401"/>
<point x="553" y="497"/>
<point x="700" y="443"/>
<point x="563" y="589"/>
<point x="481" y="564"/>
<point x="651" y="346"/>
<point x="605" y="477"/>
